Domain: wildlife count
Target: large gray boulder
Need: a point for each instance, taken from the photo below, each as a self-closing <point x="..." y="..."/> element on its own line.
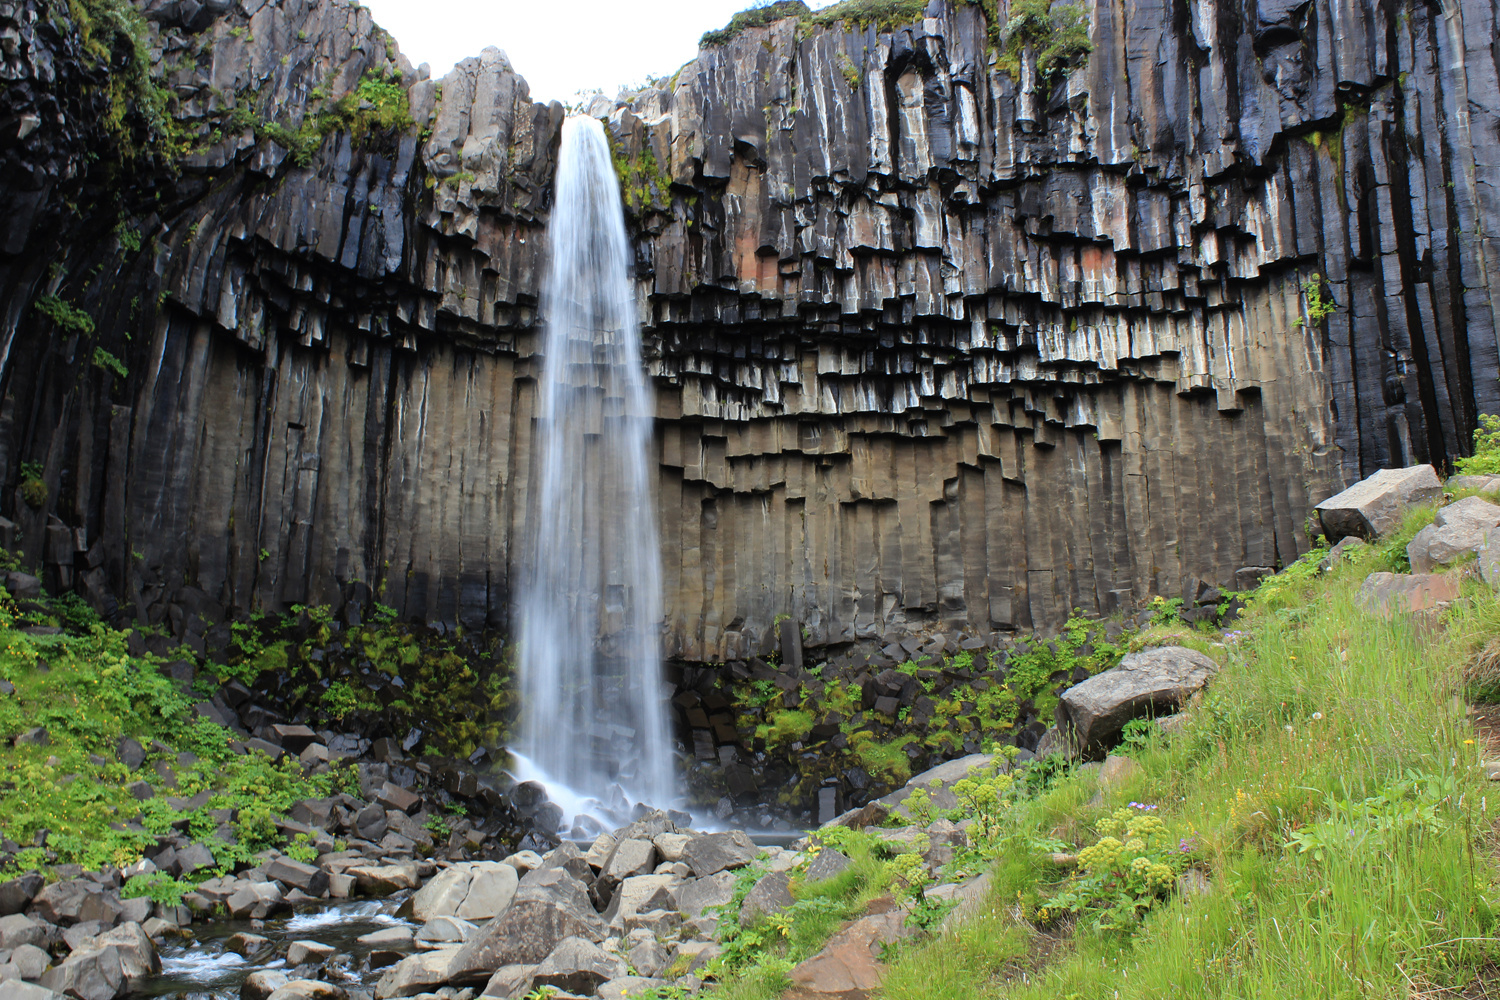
<point x="138" y="958"/>
<point x="87" y="975"/>
<point x="694" y="897"/>
<point x="1152" y="682"/>
<point x="510" y="982"/>
<point x="419" y="973"/>
<point x="550" y="905"/>
<point x="18" y="929"/>
<point x="772" y="894"/>
<point x="709" y="853"/>
<point x="1456" y="530"/>
<point x="577" y="965"/>
<point x="1375" y="505"/>
<point x="491" y="889"/>
<point x="308" y="989"/>
<point x="76" y="901"/>
<point x="15" y="989"/>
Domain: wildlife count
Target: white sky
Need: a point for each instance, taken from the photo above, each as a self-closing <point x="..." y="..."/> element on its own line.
<point x="559" y="46"/>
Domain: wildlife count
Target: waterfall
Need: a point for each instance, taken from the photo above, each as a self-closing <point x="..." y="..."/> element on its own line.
<point x="593" y="711"/>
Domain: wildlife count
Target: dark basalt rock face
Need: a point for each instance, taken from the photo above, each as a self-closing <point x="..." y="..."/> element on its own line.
<point x="933" y="343"/>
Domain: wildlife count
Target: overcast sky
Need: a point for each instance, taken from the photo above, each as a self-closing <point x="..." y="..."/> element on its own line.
<point x="559" y="46"/>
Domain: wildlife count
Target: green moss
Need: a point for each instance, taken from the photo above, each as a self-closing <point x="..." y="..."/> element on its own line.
<point x="378" y="108"/>
<point x="104" y="359"/>
<point x="885" y="761"/>
<point x="755" y="17"/>
<point x="643" y="182"/>
<point x="788" y="726"/>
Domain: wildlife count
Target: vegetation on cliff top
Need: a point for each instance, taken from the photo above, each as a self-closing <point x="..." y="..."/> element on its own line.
<point x="1317" y="827"/>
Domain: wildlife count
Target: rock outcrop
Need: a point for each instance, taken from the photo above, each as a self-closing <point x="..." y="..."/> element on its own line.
<point x="932" y="343"/>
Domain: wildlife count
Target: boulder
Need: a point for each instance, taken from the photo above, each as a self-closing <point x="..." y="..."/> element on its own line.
<point x="635" y="894"/>
<point x="709" y="853"/>
<point x="692" y="898"/>
<point x="1392" y="593"/>
<point x="138" y="958"/>
<point x="1456" y="531"/>
<point x="192" y="857"/>
<point x="369" y="823"/>
<point x="549" y="906"/>
<point x="626" y="987"/>
<point x="295" y="874"/>
<point x="308" y="953"/>
<point x="491" y="888"/>
<point x="1375" y="505"/>
<point x="648" y="956"/>
<point x="1151" y="682"/>
<point x="17" y="893"/>
<point x="18" y="929"/>
<point x="970" y="895"/>
<point x="669" y="846"/>
<point x="415" y="974"/>
<point x="254" y="901"/>
<point x="382" y="880"/>
<point x="444" y="931"/>
<point x="15" y="989"/>
<point x="825" y="865"/>
<point x="386" y="937"/>
<point x="443" y="894"/>
<point x="75" y="901"/>
<point x="577" y="965"/>
<point x="393" y="796"/>
<point x="309" y="989"/>
<point x="261" y="984"/>
<point x="772" y="894"/>
<point x="30" y="961"/>
<point x="629" y="858"/>
<point x="87" y="975"/>
<point x="510" y="982"/>
<point x="851" y="959"/>
<point x="248" y="945"/>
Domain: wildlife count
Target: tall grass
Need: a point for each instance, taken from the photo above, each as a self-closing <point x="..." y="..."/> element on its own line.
<point x="1319" y="707"/>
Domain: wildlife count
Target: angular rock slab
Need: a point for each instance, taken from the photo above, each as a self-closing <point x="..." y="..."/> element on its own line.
<point x="710" y="853"/>
<point x="1489" y="558"/>
<point x="419" y="973"/>
<point x="1484" y="484"/>
<point x="577" y="965"/>
<point x="772" y="894"/>
<point x="549" y="907"/>
<point x="1376" y="504"/>
<point x="1153" y="681"/>
<point x="308" y="989"/>
<point x="1402" y="593"/>
<point x="88" y="975"/>
<point x="851" y="959"/>
<point x="1456" y="531"/>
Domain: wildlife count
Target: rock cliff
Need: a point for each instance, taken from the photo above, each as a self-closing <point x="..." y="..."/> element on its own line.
<point x="936" y="339"/>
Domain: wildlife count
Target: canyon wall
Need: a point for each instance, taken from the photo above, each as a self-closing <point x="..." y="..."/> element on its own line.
<point x="934" y="343"/>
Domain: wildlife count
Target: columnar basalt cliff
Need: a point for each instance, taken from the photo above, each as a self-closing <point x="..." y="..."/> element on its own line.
<point x="933" y="342"/>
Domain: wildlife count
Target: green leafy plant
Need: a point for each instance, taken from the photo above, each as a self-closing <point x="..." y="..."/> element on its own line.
<point x="301" y="849"/>
<point x="755" y="17"/>
<point x="159" y="887"/>
<point x="1122" y="878"/>
<point x="1319" y="306"/>
<point x="104" y="359"/>
<point x="33" y="486"/>
<point x="1486" y="458"/>
<point x="1057" y="32"/>
<point x="65" y="315"/>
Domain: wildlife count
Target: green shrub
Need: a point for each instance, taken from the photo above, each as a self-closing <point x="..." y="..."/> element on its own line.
<point x="65" y="315"/>
<point x="1057" y="32"/>
<point x="1486" y="458"/>
<point x="159" y="887"/>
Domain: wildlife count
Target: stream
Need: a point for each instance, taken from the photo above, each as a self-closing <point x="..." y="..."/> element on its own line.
<point x="203" y="967"/>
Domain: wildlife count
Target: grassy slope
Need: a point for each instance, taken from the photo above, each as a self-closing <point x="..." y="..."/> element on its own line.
<point x="1385" y="912"/>
<point x="1327" y="725"/>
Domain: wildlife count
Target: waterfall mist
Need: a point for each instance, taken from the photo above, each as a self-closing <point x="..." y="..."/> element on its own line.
<point x="593" y="712"/>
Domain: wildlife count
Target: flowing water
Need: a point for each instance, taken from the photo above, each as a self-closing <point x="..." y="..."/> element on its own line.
<point x="594" y="714"/>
